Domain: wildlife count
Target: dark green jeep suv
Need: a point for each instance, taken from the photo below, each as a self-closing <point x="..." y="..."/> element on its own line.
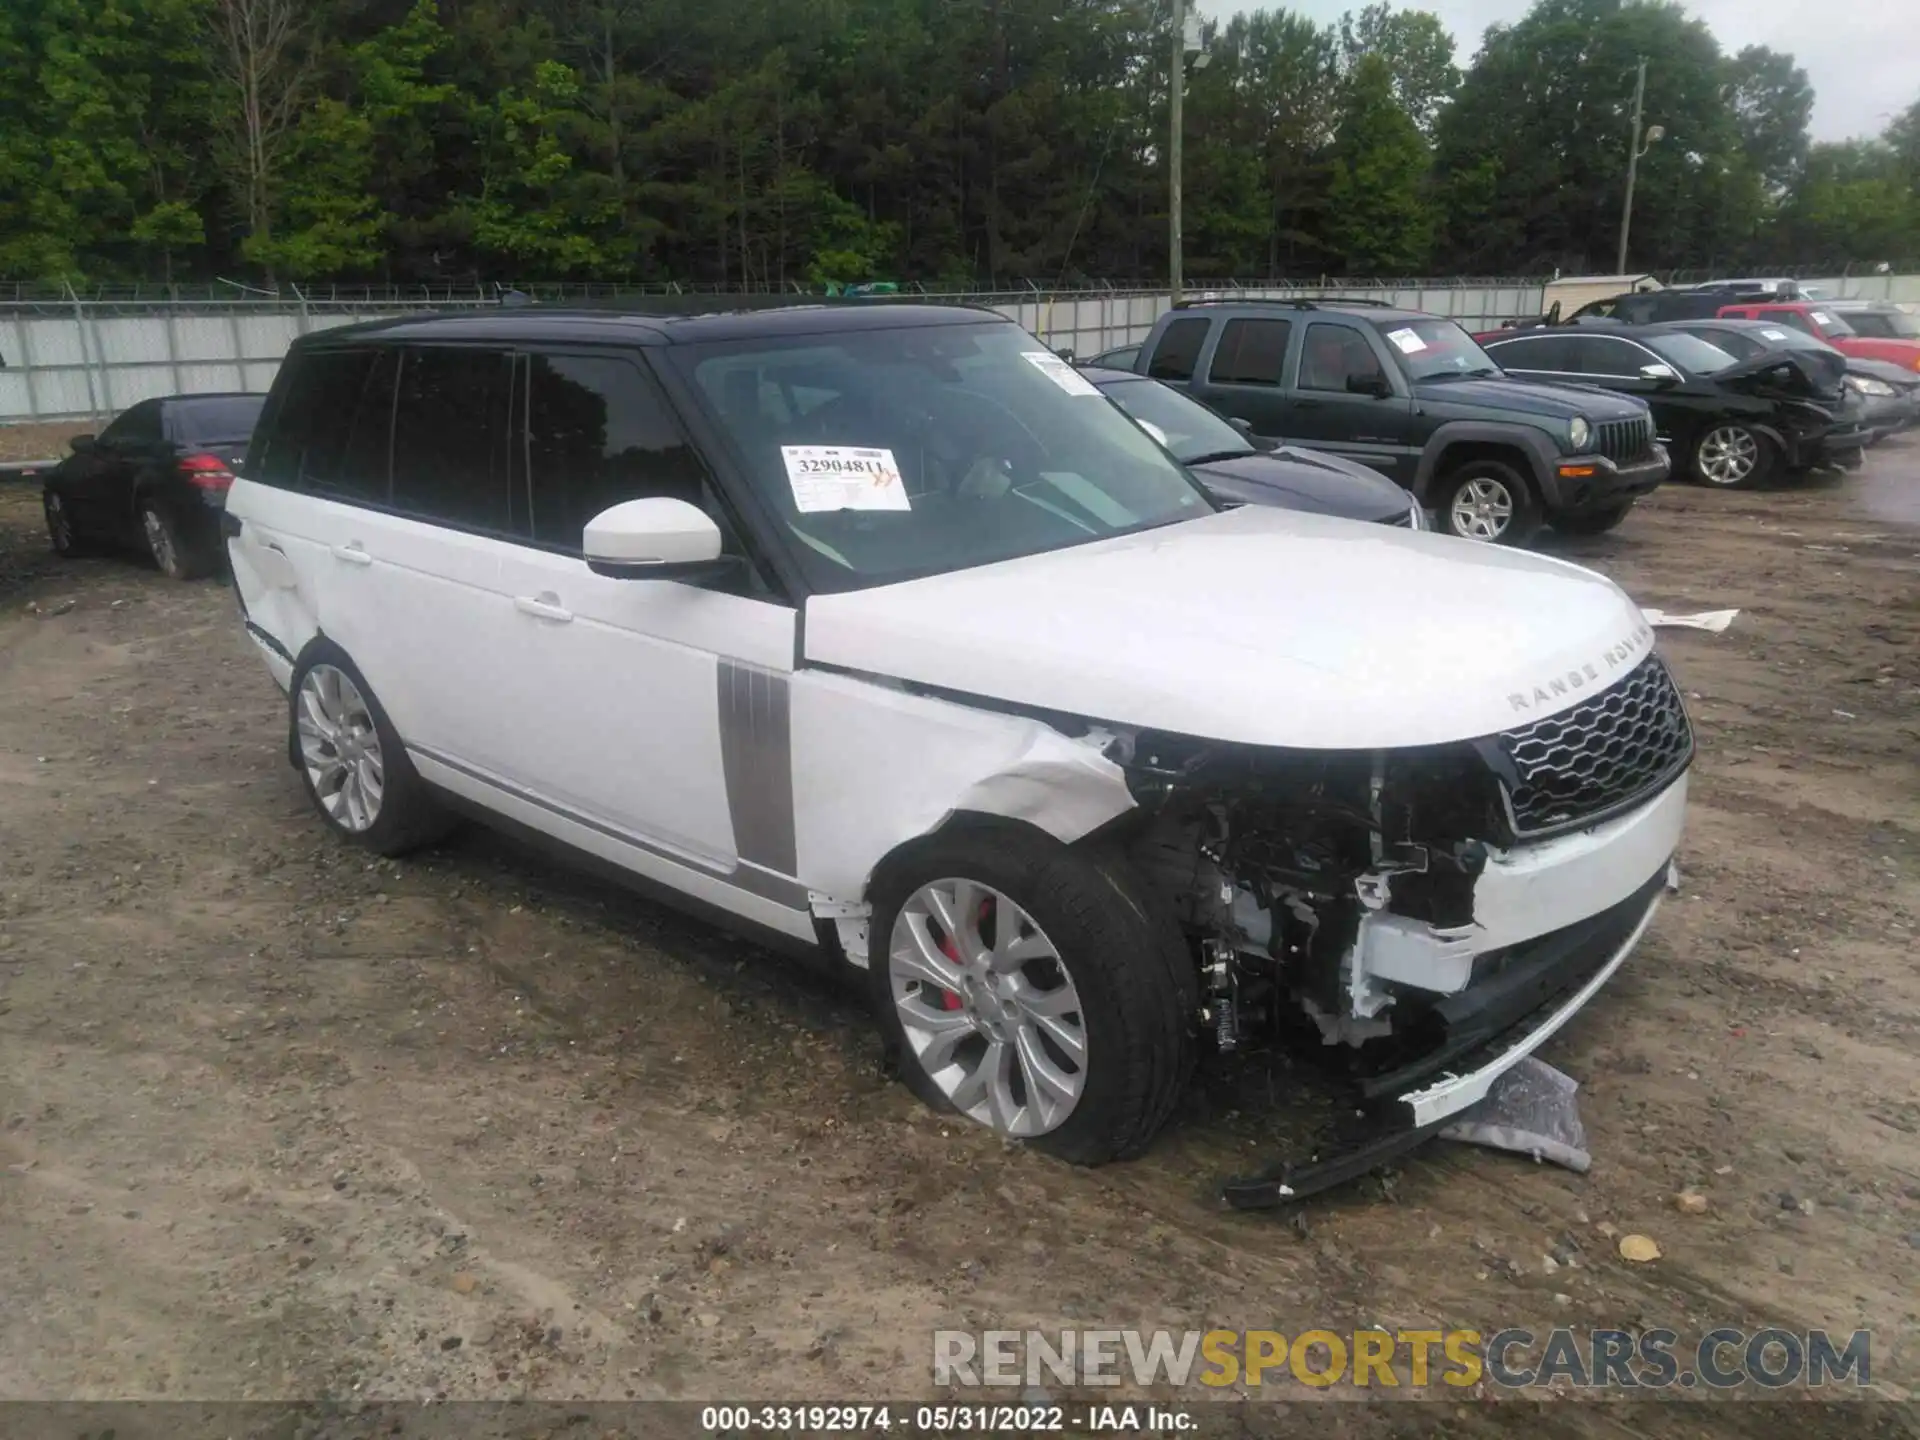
<point x="1416" y="398"/>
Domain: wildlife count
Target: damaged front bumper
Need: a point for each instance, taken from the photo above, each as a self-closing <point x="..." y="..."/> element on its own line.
<point x="1505" y="985"/>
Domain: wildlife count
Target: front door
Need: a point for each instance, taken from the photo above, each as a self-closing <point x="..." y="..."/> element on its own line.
<point x="648" y="717"/>
<point x="1330" y="407"/>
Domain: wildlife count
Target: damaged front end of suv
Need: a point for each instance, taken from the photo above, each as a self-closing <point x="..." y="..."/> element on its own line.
<point x="1413" y="904"/>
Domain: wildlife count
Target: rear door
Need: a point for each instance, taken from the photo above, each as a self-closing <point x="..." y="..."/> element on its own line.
<point x="1329" y="408"/>
<point x="1243" y="374"/>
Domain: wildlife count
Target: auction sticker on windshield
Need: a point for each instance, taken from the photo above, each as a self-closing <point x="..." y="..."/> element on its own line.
<point x="1409" y="342"/>
<point x="1774" y="334"/>
<point x="843" y="477"/>
<point x="1060" y="372"/>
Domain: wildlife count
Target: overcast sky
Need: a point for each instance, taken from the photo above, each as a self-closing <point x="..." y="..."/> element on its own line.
<point x="1863" y="56"/>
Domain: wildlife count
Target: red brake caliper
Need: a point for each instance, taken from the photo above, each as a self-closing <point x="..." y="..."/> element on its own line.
<point x="949" y="1000"/>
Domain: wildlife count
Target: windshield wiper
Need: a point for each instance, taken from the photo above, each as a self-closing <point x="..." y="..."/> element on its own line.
<point x="1480" y="372"/>
<point x="1214" y="455"/>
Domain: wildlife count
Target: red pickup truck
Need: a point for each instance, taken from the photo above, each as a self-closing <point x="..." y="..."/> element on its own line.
<point x="1864" y="329"/>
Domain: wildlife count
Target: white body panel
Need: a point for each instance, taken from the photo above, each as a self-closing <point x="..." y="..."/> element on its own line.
<point x="1262" y="626"/>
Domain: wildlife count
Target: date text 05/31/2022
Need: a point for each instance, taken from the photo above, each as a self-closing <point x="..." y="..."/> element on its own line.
<point x="941" y="1419"/>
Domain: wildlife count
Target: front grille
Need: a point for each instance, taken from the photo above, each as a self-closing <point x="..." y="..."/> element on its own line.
<point x="1624" y="439"/>
<point x="1583" y="764"/>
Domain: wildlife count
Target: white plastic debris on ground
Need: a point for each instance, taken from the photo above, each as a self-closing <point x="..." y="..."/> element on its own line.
<point x="1530" y="1110"/>
<point x="1714" y="620"/>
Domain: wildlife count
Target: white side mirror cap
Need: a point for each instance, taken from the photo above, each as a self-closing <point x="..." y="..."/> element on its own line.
<point x="637" y="537"/>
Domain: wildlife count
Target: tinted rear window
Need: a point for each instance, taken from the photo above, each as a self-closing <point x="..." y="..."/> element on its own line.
<point x="1250" y="352"/>
<point x="227" y="418"/>
<point x="450" y="437"/>
<point x="1178" y="351"/>
<point x="315" y="408"/>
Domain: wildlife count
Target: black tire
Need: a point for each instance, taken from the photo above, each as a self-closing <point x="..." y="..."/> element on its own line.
<point x="62" y="533"/>
<point x="1137" y="987"/>
<point x="1522" y="519"/>
<point x="1592" y="522"/>
<point x="174" y="551"/>
<point x="407" y="815"/>
<point x="1703" y="460"/>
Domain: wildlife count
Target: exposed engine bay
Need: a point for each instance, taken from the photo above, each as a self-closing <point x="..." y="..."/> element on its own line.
<point x="1336" y="883"/>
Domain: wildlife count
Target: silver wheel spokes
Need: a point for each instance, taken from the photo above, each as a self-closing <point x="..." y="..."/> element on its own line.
<point x="988" y="1007"/>
<point x="1728" y="455"/>
<point x="58" y="522"/>
<point x="158" y="540"/>
<point x="340" y="747"/>
<point x="1482" y="510"/>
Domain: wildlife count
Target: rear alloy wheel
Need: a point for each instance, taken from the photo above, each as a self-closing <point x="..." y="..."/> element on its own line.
<point x="177" y="558"/>
<point x="1035" y="988"/>
<point x="65" y="539"/>
<point x="1486" y="500"/>
<point x="1732" y="457"/>
<point x="352" y="765"/>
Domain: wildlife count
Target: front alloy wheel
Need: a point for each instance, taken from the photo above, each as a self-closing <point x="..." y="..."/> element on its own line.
<point x="988" y="1007"/>
<point x="1482" y="509"/>
<point x="59" y="523"/>
<point x="1728" y="456"/>
<point x="340" y="748"/>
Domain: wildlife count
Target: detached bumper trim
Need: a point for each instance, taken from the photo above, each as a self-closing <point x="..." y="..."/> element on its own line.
<point x="1454" y="1093"/>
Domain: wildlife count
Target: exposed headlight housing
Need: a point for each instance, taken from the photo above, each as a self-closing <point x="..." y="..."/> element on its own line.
<point x="1579" y="432"/>
<point x="1868" y="385"/>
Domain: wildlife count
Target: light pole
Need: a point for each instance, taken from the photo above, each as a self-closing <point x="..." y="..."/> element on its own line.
<point x="1634" y="152"/>
<point x="1176" y="93"/>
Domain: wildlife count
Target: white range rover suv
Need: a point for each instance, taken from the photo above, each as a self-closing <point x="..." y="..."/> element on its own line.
<point x="877" y="628"/>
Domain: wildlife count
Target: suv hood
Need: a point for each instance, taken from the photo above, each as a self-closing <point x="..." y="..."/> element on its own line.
<point x="1261" y="626"/>
<point x="1529" y="397"/>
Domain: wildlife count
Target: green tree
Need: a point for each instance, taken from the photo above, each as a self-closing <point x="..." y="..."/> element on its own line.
<point x="1379" y="219"/>
<point x="1418" y="53"/>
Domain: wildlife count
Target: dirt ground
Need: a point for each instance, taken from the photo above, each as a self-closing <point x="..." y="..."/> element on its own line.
<point x="280" y="1121"/>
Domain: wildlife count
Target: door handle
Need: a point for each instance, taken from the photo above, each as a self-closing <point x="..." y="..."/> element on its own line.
<point x="544" y="606"/>
<point x="353" y="553"/>
<point x="1305" y="404"/>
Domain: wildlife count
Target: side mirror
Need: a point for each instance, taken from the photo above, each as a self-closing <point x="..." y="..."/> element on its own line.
<point x="1242" y="424"/>
<point x="1660" y="374"/>
<point x="654" y="539"/>
<point x="1375" y="385"/>
<point x="81" y="444"/>
<point x="1066" y="354"/>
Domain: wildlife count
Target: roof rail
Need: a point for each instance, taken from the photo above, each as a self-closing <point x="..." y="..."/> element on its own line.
<point x="1292" y="302"/>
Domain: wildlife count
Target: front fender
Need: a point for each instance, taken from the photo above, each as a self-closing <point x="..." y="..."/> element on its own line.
<point x="1540" y="452"/>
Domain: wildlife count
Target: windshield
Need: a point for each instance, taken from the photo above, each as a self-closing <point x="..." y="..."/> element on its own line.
<point x="1690" y="353"/>
<point x="1436" y="349"/>
<point x="1192" y="431"/>
<point x="885" y="454"/>
<point x="1884" y="324"/>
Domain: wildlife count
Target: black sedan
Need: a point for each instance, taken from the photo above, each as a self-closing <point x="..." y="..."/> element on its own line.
<point x="156" y="478"/>
<point x="1889" y="395"/>
<point x="1733" y="422"/>
<point x="1238" y="471"/>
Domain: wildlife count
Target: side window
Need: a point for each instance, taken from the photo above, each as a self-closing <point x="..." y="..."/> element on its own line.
<point x="136" y="426"/>
<point x="1636" y="309"/>
<point x="1600" y="355"/>
<point x="1250" y="352"/>
<point x="329" y="403"/>
<point x="1334" y="354"/>
<point x="450" y="437"/>
<point x="1179" y="350"/>
<point x="599" y="432"/>
<point x="1789" y="317"/>
<point x="1544" y="353"/>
